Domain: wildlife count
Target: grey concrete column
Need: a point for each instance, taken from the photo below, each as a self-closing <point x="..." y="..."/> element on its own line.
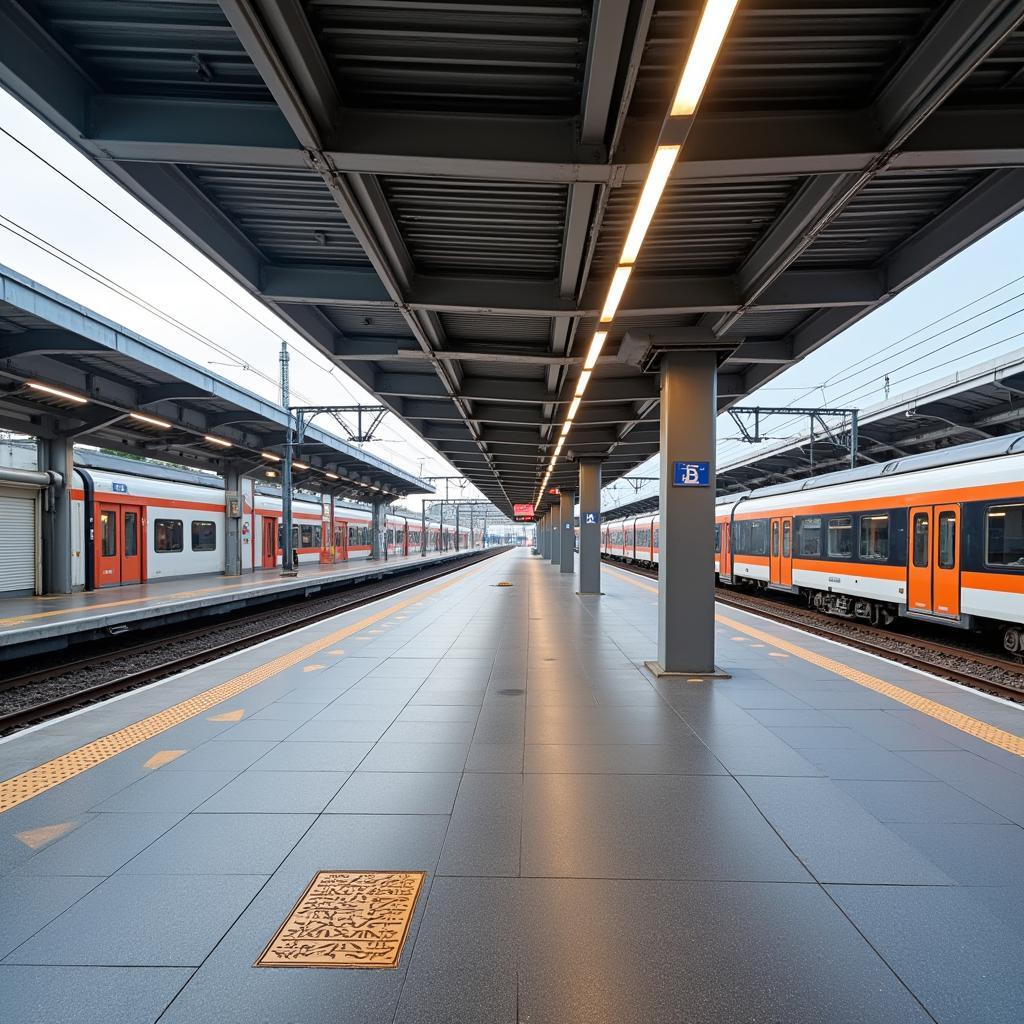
<point x="542" y="536"/>
<point x="686" y="581"/>
<point x="556" y="539"/>
<point x="232" y="519"/>
<point x="57" y="455"/>
<point x="590" y="526"/>
<point x="566" y="516"/>
<point x="376" y="525"/>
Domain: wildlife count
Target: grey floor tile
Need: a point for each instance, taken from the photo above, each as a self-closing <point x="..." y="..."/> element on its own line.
<point x="164" y="921"/>
<point x="870" y="763"/>
<point x="320" y="730"/>
<point x="430" y="732"/>
<point x="439" y="713"/>
<point x="704" y="959"/>
<point x="87" y="995"/>
<point x="221" y="757"/>
<point x="320" y="756"/>
<point x="167" y="792"/>
<point x="397" y="793"/>
<point x="763" y="758"/>
<point x="889" y="731"/>
<point x="648" y="826"/>
<point x="835" y="837"/>
<point x="834" y="737"/>
<point x="276" y="793"/>
<point x="259" y="729"/>
<point x="973" y="854"/>
<point x="495" y="757"/>
<point x="228" y="844"/>
<point x="687" y="756"/>
<point x="959" y="960"/>
<point x="918" y="802"/>
<point x="484" y="835"/>
<point x="100" y="846"/>
<point x="416" y="757"/>
<point x="27" y="904"/>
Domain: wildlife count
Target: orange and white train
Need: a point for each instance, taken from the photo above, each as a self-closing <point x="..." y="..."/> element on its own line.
<point x="937" y="537"/>
<point x="134" y="522"/>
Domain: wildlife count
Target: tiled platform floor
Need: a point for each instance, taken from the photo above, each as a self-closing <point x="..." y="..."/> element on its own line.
<point x="24" y="619"/>
<point x="783" y="846"/>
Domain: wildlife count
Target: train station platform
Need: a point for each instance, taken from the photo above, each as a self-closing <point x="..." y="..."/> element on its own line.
<point x="824" y="836"/>
<point x="52" y="621"/>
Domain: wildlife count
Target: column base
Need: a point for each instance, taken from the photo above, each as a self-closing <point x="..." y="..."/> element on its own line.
<point x="590" y="593"/>
<point x="656" y="670"/>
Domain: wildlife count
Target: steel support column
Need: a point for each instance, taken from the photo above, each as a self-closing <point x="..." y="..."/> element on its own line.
<point x="567" y="548"/>
<point x="233" y="561"/>
<point x="686" y="591"/>
<point x="590" y="526"/>
<point x="376" y="528"/>
<point x="57" y="455"/>
<point x="542" y="536"/>
<point x="555" y="554"/>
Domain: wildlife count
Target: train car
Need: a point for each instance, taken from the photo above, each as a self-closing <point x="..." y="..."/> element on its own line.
<point x="937" y="537"/>
<point x="149" y="522"/>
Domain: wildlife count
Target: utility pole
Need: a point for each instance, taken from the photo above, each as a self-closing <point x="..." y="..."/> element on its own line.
<point x="287" y="555"/>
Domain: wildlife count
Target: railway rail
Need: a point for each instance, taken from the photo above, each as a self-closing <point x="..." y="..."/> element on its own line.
<point x="960" y="664"/>
<point x="37" y="693"/>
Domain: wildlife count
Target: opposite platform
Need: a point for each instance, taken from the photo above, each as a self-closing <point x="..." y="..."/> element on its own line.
<point x="825" y="836"/>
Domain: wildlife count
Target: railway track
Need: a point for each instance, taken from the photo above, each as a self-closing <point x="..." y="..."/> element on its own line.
<point x="157" y="660"/>
<point x="972" y="668"/>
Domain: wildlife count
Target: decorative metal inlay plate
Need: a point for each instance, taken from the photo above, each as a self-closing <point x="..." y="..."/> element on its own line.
<point x="347" y="919"/>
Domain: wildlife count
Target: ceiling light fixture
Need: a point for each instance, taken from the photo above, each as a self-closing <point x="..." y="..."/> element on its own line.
<point x="714" y="23"/>
<point x="615" y="290"/>
<point x="657" y="178"/>
<point x="574" y="408"/>
<point x="331" y="476"/>
<point x="271" y="456"/>
<point x="68" y="396"/>
<point x="218" y="441"/>
<point x="581" y="384"/>
<point x="300" y="465"/>
<point x="565" y="427"/>
<point x="151" y="420"/>
<point x="595" y="349"/>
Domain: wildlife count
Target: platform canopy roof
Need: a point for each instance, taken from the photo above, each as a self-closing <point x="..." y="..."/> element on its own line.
<point x="68" y="372"/>
<point x="977" y="403"/>
<point x="436" y="194"/>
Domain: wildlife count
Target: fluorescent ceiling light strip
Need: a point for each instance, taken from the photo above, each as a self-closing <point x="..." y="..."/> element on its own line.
<point x="595" y="349"/>
<point x="714" y="23"/>
<point x="581" y="384"/>
<point x="574" y="408"/>
<point x="217" y="440"/>
<point x="615" y="290"/>
<point x="657" y="178"/>
<point x="300" y="465"/>
<point x="566" y="427"/>
<point x="151" y="420"/>
<point x="271" y="456"/>
<point x="331" y="476"/>
<point x="69" y="396"/>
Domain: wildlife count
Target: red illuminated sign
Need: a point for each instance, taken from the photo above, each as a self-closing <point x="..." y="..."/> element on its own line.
<point x="552" y="490"/>
<point x="522" y="511"/>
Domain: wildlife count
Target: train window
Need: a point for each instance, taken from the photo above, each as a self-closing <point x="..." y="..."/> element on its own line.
<point x="168" y="535"/>
<point x="657" y="537"/>
<point x="204" y="535"/>
<point x="947" y="540"/>
<point x="921" y="532"/>
<point x="305" y="537"/>
<point x="131" y="534"/>
<point x="1005" y="536"/>
<point x="840" y="537"/>
<point x="108" y="533"/>
<point x="758" y="544"/>
<point x="775" y="537"/>
<point x="318" y="536"/>
<point x="810" y="538"/>
<point x="718" y="537"/>
<point x="787" y="539"/>
<point x="874" y="538"/>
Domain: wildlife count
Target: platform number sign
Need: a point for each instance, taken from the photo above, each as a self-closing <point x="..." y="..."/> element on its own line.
<point x="590" y="519"/>
<point x="691" y="474"/>
<point x="119" y="488"/>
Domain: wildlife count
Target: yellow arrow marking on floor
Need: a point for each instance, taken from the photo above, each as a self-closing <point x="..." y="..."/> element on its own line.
<point x="162" y="757"/>
<point x="17" y="790"/>
<point x="1008" y="741"/>
<point x="34" y="838"/>
<point x="311" y="668"/>
<point x="228" y="716"/>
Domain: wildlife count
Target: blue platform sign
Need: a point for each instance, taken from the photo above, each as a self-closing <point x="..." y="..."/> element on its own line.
<point x="691" y="474"/>
<point x="119" y="488"/>
<point x="590" y="519"/>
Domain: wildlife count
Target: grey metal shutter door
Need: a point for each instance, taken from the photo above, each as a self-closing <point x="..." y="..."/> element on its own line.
<point x="17" y="543"/>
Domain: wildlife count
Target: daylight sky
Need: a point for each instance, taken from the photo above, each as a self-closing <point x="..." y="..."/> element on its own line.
<point x="975" y="302"/>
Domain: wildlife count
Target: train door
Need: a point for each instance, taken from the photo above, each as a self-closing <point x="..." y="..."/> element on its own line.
<point x="341" y="542"/>
<point x="725" y="551"/>
<point x="933" y="568"/>
<point x="269" y="542"/>
<point x="118" y="545"/>
<point x="780" y="558"/>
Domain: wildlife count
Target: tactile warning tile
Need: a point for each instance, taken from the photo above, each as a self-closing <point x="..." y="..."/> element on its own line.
<point x="347" y="919"/>
<point x="37" y="780"/>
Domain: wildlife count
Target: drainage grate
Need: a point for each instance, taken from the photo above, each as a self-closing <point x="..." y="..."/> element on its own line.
<point x="347" y="919"/>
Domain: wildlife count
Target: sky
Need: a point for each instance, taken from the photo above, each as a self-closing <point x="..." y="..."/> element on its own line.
<point x="969" y="310"/>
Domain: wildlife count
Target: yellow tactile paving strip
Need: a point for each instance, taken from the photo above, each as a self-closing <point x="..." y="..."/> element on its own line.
<point x="933" y="709"/>
<point x="38" y="780"/>
<point x="347" y="919"/>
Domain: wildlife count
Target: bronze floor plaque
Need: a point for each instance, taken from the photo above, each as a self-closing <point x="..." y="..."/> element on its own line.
<point x="347" y="919"/>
